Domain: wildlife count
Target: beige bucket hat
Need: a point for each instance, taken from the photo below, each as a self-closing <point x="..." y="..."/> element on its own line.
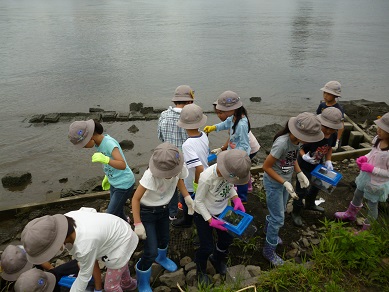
<point x="383" y="122"/>
<point x="35" y="280"/>
<point x="228" y="101"/>
<point x="14" y="262"/>
<point x="183" y="93"/>
<point x="192" y="117"/>
<point x="306" y="127"/>
<point x="234" y="165"/>
<point x="80" y="132"/>
<point x="166" y="161"/>
<point x="332" y="87"/>
<point x="331" y="117"/>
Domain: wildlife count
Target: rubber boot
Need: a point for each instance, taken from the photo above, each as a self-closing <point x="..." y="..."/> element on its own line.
<point x="202" y="278"/>
<point x="130" y="287"/>
<point x="279" y="240"/>
<point x="365" y="227"/>
<point x="311" y="205"/>
<point x="296" y="215"/>
<point x="143" y="279"/>
<point x="184" y="222"/>
<point x="350" y="214"/>
<point x="269" y="252"/>
<point x="218" y="261"/>
<point x="165" y="262"/>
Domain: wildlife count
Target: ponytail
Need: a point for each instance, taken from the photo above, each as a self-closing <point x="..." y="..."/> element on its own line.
<point x="238" y="114"/>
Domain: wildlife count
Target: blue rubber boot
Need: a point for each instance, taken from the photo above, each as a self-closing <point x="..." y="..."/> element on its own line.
<point x="143" y="279"/>
<point x="165" y="262"/>
<point x="269" y="252"/>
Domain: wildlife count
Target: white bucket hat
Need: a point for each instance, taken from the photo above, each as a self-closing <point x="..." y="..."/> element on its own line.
<point x="306" y="127"/>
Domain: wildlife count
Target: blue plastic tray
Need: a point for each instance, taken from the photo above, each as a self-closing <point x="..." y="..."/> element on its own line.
<point x="329" y="176"/>
<point x="67" y="281"/>
<point x="212" y="158"/>
<point x="237" y="228"/>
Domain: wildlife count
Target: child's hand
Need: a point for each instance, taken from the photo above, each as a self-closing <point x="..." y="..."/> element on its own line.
<point x="100" y="157"/>
<point x="367" y="167"/>
<point x="209" y="129"/>
<point x="361" y="160"/>
<point x="304" y="181"/>
<point x="329" y="165"/>
<point x="140" y="230"/>
<point x="216" y="151"/>
<point x="306" y="157"/>
<point x="190" y="203"/>
<point x="288" y="186"/>
<point x="238" y="204"/>
<point x="215" y="223"/>
<point x="105" y="184"/>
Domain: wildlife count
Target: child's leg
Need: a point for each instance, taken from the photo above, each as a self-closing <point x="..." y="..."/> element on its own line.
<point x="275" y="198"/>
<point x="173" y="206"/>
<point x="204" y="232"/>
<point x="242" y="192"/>
<point x="118" y="199"/>
<point x="358" y="197"/>
<point x="220" y="253"/>
<point x="149" y="218"/>
<point x="372" y="213"/>
<point x="113" y="279"/>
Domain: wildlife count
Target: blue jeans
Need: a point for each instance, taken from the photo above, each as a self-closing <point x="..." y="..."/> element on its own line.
<point x="118" y="198"/>
<point x="204" y="231"/>
<point x="276" y="199"/>
<point x="173" y="204"/>
<point x="156" y="222"/>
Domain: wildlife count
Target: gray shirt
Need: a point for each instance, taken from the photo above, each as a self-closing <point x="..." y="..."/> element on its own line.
<point x="286" y="154"/>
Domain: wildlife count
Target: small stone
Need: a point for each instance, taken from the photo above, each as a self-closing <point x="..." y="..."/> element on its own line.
<point x="51" y="118"/>
<point x="185" y="260"/>
<point x="305" y="242"/>
<point x="126" y="144"/>
<point x="133" y="129"/>
<point x="63" y="180"/>
<point x="16" y="179"/>
<point x="315" y="241"/>
<point x="255" y="99"/>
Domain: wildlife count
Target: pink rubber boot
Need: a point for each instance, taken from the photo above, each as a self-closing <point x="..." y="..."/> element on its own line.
<point x="350" y="214"/>
<point x="250" y="183"/>
<point x="365" y="227"/>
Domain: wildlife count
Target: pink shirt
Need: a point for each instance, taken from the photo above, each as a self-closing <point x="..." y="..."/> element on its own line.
<point x="380" y="159"/>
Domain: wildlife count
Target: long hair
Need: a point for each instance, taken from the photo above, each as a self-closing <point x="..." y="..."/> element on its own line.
<point x="238" y="114"/>
<point x="98" y="128"/>
<point x="284" y="131"/>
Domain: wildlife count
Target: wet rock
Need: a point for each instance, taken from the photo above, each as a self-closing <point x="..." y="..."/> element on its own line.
<point x="126" y="144"/>
<point x="51" y="118"/>
<point x="96" y="110"/>
<point x="108" y="116"/>
<point x="185" y="260"/>
<point x="133" y="129"/>
<point x="136" y="107"/>
<point x="149" y="117"/>
<point x="255" y="99"/>
<point x="70" y="192"/>
<point x="147" y="110"/>
<point x="63" y="180"/>
<point x="36" y="119"/>
<point x="171" y="279"/>
<point x="16" y="179"/>
<point x="136" y="117"/>
<point x="122" y="116"/>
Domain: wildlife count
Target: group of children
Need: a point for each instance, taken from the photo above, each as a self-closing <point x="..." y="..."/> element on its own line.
<point x="180" y="163"/>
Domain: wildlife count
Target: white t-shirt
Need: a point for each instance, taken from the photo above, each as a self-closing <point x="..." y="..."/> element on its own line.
<point x="100" y="236"/>
<point x="253" y="143"/>
<point x="213" y="193"/>
<point x="159" y="190"/>
<point x="195" y="150"/>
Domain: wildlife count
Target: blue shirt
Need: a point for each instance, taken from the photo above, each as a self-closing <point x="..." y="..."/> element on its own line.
<point x="118" y="178"/>
<point x="240" y="139"/>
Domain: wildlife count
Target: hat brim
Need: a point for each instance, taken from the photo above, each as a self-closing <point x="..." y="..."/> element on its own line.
<point x="62" y="229"/>
<point x="51" y="282"/>
<point x="221" y="165"/>
<point x="166" y="173"/>
<point x="182" y="98"/>
<point x="90" y="126"/>
<point x="197" y="125"/>
<point x="330" y="91"/>
<point x="329" y="124"/>
<point x="301" y="136"/>
<point x="229" y="108"/>
<point x="382" y="125"/>
<point x="15" y="276"/>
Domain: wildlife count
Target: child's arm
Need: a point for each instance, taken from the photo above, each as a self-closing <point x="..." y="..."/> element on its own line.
<point x="117" y="160"/>
<point x="198" y="170"/>
<point x="87" y="266"/>
<point x="188" y="199"/>
<point x="135" y="203"/>
<point x="268" y="168"/>
<point x="97" y="277"/>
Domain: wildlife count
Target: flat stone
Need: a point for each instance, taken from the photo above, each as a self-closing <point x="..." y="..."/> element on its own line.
<point x="190" y="266"/>
<point x="254" y="270"/>
<point x="237" y="273"/>
<point x="171" y="279"/>
<point x="126" y="144"/>
<point x="16" y="179"/>
<point x="185" y="260"/>
<point x="122" y="116"/>
<point x="136" y="117"/>
<point x="108" y="116"/>
<point x="51" y="118"/>
<point x="36" y="119"/>
<point x="255" y="99"/>
<point x="95" y="110"/>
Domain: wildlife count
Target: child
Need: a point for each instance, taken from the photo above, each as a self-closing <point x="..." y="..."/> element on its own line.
<point x="150" y="208"/>
<point x="35" y="280"/>
<point x="278" y="167"/>
<point x="373" y="180"/>
<point x="311" y="154"/>
<point x="237" y="123"/>
<point x="195" y="150"/>
<point x="254" y="145"/>
<point x="216" y="187"/>
<point x="331" y="91"/>
<point x="168" y="131"/>
<point x="14" y="263"/>
<point x="118" y="178"/>
<point x="89" y="236"/>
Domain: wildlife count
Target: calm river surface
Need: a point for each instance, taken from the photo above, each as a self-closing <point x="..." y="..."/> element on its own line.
<point x="70" y="55"/>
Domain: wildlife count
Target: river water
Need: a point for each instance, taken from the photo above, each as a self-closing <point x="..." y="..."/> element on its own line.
<point x="68" y="56"/>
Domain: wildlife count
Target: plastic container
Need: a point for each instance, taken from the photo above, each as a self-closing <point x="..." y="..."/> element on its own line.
<point x="237" y="222"/>
<point x="67" y="282"/>
<point x="212" y="159"/>
<point x="325" y="179"/>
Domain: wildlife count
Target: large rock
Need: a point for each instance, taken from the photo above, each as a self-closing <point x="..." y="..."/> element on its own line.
<point x="16" y="179"/>
<point x="126" y="144"/>
<point x="171" y="279"/>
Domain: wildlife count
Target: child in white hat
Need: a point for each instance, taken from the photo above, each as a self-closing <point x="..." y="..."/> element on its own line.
<point x="279" y="167"/>
<point x="195" y="150"/>
<point x="215" y="190"/>
<point x="312" y="154"/>
<point x="150" y="207"/>
<point x="331" y="91"/>
<point x="373" y="179"/>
